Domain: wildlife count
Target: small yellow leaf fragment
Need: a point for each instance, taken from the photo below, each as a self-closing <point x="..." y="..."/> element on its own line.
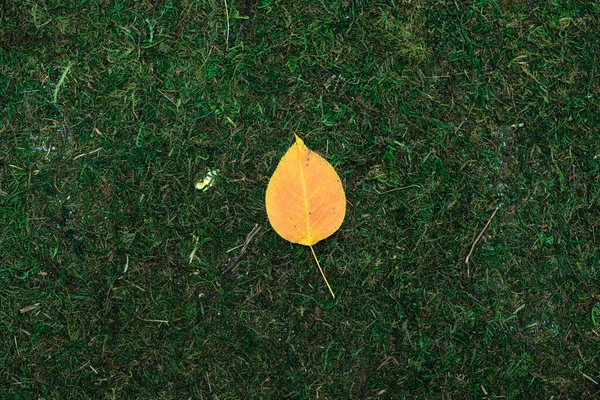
<point x="208" y="181"/>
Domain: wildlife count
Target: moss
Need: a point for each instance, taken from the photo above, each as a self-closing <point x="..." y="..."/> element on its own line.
<point x="434" y="113"/>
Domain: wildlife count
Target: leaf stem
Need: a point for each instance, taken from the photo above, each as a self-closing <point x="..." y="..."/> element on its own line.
<point x="322" y="273"/>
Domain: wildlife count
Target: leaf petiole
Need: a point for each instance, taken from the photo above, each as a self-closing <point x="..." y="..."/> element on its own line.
<point x="322" y="273"/>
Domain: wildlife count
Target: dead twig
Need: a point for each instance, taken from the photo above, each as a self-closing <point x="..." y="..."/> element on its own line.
<point x="87" y="154"/>
<point x="480" y="235"/>
<point x="462" y="289"/>
<point x="249" y="238"/>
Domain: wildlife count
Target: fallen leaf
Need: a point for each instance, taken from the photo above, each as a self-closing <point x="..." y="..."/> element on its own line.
<point x="305" y="199"/>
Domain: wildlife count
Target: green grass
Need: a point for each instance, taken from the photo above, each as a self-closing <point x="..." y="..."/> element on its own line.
<point x="434" y="113"/>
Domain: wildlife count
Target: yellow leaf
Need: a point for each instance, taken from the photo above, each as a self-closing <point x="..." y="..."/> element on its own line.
<point x="305" y="199"/>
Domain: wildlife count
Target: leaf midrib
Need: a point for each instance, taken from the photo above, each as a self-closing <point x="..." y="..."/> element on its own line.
<point x="304" y="192"/>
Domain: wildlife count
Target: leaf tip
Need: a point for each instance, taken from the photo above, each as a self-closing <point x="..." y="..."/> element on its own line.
<point x="299" y="141"/>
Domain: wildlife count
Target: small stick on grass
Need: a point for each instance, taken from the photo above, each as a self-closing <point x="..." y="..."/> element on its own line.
<point x="462" y="289"/>
<point x="249" y="238"/>
<point x="87" y="154"/>
<point x="480" y="235"/>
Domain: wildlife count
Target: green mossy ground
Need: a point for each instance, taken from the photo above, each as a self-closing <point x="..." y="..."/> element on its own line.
<point x="434" y="113"/>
